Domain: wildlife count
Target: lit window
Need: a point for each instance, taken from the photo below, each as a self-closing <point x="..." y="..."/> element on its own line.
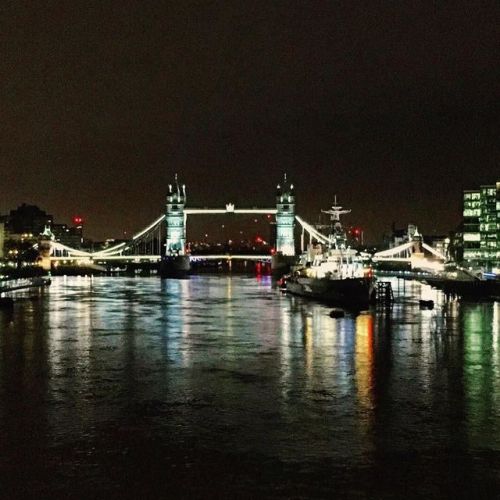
<point x="472" y="237"/>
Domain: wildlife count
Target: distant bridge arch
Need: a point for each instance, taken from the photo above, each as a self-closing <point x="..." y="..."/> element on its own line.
<point x="415" y="252"/>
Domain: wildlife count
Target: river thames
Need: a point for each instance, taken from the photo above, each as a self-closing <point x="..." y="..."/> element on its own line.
<point x="224" y="387"/>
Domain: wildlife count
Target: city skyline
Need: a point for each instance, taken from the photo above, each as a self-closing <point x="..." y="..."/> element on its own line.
<point x="228" y="226"/>
<point x="393" y="110"/>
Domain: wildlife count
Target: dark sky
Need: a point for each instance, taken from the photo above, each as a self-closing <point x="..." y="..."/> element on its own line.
<point x="393" y="106"/>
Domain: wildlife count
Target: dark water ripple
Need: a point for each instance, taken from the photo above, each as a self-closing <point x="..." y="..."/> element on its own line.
<point x="220" y="387"/>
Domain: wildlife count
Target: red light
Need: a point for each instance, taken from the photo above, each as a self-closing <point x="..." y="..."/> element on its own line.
<point x="77" y="220"/>
<point x="258" y="239"/>
<point x="273" y="251"/>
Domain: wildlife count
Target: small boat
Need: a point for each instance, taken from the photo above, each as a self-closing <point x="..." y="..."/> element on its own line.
<point x="332" y="272"/>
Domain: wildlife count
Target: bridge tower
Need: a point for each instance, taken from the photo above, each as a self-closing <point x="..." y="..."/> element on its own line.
<point x="175" y="219"/>
<point x="285" y="218"/>
<point x="175" y="263"/>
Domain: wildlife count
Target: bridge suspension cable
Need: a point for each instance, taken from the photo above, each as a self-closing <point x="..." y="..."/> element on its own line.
<point x="433" y="251"/>
<point x="313" y="232"/>
<point x="396" y="251"/>
<point x="120" y="247"/>
<point x="72" y="251"/>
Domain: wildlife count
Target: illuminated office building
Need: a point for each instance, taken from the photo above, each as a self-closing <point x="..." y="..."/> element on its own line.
<point x="481" y="236"/>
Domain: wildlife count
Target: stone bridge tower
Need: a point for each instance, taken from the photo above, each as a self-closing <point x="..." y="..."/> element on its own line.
<point x="175" y="219"/>
<point x="285" y="218"/>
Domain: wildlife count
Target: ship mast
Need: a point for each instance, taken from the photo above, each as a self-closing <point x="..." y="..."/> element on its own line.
<point x="338" y="237"/>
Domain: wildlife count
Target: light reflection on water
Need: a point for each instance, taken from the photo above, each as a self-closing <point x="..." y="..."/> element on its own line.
<point x="235" y="366"/>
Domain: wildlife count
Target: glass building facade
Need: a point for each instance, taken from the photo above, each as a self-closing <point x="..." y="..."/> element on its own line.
<point x="481" y="236"/>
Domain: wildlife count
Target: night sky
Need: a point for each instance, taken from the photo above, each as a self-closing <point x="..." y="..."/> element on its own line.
<point x="393" y="106"/>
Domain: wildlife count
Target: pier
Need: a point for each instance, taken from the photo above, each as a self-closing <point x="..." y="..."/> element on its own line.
<point x="15" y="285"/>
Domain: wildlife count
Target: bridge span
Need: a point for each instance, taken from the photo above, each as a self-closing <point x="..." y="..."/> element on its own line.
<point x="155" y="258"/>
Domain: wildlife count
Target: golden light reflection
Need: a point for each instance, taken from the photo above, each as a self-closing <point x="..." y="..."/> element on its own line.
<point x="307" y="335"/>
<point x="364" y="361"/>
<point x="365" y="375"/>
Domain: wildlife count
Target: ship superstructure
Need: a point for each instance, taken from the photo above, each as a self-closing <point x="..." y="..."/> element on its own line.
<point x="334" y="271"/>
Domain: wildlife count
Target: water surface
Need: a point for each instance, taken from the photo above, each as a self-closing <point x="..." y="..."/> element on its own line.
<point x="222" y="386"/>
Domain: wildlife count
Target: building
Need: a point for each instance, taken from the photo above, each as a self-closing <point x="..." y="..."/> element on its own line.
<point x="70" y="236"/>
<point x="28" y="219"/>
<point x="481" y="228"/>
<point x="400" y="236"/>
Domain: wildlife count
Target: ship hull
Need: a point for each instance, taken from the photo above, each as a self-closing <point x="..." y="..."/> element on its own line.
<point x="349" y="291"/>
<point x="175" y="266"/>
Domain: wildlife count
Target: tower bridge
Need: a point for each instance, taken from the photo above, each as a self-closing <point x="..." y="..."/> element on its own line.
<point x="164" y="239"/>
